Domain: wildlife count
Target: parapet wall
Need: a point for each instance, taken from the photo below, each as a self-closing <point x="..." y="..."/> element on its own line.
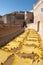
<point x="11" y="32"/>
<point x="32" y="26"/>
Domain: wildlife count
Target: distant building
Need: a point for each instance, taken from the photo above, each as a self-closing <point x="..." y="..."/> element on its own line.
<point x="29" y="17"/>
<point x="1" y="21"/>
<point x="18" y="18"/>
<point x="8" y="19"/>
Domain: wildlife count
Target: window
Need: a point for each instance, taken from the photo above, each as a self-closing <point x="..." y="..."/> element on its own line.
<point x="41" y="9"/>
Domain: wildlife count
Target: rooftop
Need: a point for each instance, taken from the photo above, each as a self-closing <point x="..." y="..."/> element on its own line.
<point x="37" y="3"/>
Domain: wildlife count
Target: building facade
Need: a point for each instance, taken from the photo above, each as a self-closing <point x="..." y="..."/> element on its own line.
<point x="1" y="21"/>
<point x="18" y="18"/>
<point x="29" y="17"/>
<point x="13" y="18"/>
<point x="8" y="19"/>
<point x="38" y="16"/>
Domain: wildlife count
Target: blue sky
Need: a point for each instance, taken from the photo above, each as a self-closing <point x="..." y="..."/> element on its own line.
<point x="8" y="6"/>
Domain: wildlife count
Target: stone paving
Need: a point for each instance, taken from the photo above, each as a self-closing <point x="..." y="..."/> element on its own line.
<point x="27" y="49"/>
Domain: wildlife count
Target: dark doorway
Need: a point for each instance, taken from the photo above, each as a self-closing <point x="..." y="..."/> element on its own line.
<point x="38" y="26"/>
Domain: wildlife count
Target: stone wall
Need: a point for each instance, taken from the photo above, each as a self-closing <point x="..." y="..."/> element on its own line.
<point x="32" y="26"/>
<point x="38" y="16"/>
<point x="8" y="32"/>
<point x="41" y="30"/>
